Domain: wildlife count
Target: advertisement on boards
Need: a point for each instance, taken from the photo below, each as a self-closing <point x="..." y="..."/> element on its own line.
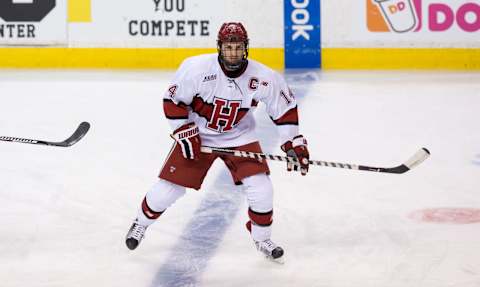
<point x="176" y="23"/>
<point x="166" y="18"/>
<point x="401" y="24"/>
<point x="302" y="33"/>
<point x="33" y="22"/>
<point x="402" y="16"/>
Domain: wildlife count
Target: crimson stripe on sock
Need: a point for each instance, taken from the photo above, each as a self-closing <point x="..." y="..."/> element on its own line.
<point x="149" y="213"/>
<point x="261" y="218"/>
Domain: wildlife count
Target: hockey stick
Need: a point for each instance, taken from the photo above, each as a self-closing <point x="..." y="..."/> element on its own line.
<point x="413" y="161"/>
<point x="79" y="133"/>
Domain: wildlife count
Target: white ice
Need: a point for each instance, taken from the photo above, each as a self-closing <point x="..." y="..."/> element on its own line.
<point x="64" y="212"/>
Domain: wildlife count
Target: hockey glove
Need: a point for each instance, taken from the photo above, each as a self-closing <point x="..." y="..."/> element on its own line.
<point x="297" y="148"/>
<point x="187" y="136"/>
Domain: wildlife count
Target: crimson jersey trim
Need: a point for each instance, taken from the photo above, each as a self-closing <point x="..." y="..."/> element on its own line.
<point x="173" y="111"/>
<point x="288" y="118"/>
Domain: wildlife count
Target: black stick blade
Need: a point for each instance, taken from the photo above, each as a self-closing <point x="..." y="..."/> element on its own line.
<point x="79" y="133"/>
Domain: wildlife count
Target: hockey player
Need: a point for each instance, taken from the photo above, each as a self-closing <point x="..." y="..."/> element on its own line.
<point x="211" y="102"/>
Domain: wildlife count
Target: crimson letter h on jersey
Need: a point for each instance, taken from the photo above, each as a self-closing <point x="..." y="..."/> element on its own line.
<point x="224" y="115"/>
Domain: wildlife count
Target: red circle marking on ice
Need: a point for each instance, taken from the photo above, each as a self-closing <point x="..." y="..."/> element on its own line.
<point x="447" y="215"/>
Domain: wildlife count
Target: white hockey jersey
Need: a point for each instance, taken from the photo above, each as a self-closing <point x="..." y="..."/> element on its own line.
<point x="222" y="107"/>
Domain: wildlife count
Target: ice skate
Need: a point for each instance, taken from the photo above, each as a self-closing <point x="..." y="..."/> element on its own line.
<point x="270" y="250"/>
<point x="135" y="235"/>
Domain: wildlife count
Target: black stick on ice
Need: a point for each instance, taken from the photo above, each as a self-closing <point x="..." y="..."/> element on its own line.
<point x="413" y="161"/>
<point x="79" y="133"/>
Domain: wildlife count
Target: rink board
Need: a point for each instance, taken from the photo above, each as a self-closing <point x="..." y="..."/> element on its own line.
<point x="333" y="58"/>
<point x="440" y="34"/>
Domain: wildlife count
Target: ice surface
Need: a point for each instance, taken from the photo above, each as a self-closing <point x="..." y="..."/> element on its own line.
<point x="64" y="212"/>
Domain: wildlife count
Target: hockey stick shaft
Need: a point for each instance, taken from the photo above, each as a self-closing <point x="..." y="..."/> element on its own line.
<point x="79" y="133"/>
<point x="413" y="161"/>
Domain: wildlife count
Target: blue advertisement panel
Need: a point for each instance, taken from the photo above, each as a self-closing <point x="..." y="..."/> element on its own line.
<point x="302" y="33"/>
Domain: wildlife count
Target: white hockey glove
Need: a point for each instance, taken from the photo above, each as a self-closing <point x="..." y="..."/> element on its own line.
<point x="297" y="148"/>
<point x="188" y="137"/>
